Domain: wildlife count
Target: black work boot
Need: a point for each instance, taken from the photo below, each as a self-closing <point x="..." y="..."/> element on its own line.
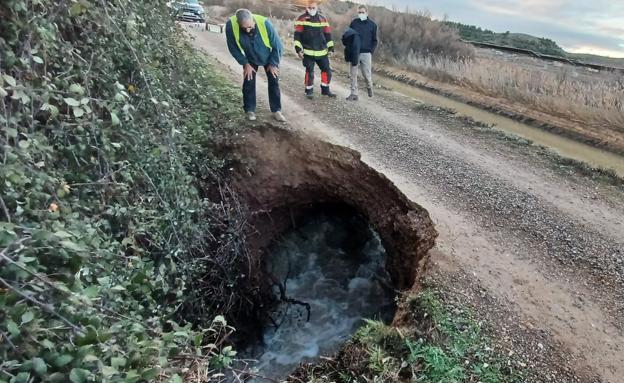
<point x="326" y="92"/>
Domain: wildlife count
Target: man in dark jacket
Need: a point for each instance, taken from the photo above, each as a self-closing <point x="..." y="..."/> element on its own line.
<point x="253" y="42"/>
<point x="351" y="41"/>
<point x="368" y="37"/>
<point x="313" y="44"/>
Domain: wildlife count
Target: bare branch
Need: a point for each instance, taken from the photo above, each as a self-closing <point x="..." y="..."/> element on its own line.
<point x="43" y="306"/>
<point x="6" y="132"/>
<point x="3" y="335"/>
<point x="253" y="375"/>
<point x="47" y="282"/>
<point x="5" y="210"/>
<point x="175" y="231"/>
<point x="18" y="242"/>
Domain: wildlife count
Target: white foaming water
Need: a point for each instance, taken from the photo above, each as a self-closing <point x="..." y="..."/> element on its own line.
<point x="336" y="265"/>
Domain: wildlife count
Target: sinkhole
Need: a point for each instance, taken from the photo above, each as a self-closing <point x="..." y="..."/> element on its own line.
<point x="328" y="274"/>
<point x="331" y="241"/>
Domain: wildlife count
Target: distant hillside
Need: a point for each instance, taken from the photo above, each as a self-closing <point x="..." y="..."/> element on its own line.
<point x="525" y="41"/>
<point x="516" y="40"/>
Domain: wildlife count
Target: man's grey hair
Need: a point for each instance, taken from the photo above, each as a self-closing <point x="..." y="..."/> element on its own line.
<point x="362" y="6"/>
<point x="243" y="15"/>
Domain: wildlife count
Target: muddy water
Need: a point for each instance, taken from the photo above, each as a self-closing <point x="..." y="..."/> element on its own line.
<point x="563" y="146"/>
<point x="334" y="264"/>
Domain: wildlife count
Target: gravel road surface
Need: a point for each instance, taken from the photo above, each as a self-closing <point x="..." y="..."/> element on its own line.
<point x="534" y="247"/>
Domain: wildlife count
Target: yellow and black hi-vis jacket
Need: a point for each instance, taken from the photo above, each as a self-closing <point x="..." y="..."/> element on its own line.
<point x="313" y="35"/>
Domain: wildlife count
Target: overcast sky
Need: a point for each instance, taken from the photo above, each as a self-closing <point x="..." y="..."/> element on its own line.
<point x="585" y="26"/>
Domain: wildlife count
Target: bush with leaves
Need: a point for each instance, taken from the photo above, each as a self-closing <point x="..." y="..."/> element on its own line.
<point x="107" y="125"/>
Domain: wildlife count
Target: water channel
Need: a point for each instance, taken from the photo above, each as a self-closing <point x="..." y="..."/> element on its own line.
<point x="563" y="146"/>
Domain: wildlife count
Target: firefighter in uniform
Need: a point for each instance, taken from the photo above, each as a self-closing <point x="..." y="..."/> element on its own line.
<point x="313" y="43"/>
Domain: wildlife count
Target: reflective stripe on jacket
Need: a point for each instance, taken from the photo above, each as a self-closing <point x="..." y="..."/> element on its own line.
<point x="260" y="24"/>
<point x="260" y="47"/>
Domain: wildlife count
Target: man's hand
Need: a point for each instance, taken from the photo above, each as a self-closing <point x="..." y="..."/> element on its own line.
<point x="300" y="54"/>
<point x="273" y="70"/>
<point x="248" y="72"/>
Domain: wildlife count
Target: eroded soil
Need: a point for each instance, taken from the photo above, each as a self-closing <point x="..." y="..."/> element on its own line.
<point x="292" y="173"/>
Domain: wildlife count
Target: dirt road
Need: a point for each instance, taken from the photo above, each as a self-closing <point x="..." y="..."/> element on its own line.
<point x="535" y="250"/>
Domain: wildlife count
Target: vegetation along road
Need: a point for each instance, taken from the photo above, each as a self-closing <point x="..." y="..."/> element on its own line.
<point x="532" y="243"/>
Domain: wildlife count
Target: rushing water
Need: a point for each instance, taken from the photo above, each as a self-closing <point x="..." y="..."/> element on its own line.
<point x="336" y="265"/>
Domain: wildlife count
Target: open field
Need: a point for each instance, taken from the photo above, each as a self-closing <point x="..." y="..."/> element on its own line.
<point x="578" y="103"/>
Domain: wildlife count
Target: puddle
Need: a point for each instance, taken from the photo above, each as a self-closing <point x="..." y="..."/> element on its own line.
<point x="561" y="145"/>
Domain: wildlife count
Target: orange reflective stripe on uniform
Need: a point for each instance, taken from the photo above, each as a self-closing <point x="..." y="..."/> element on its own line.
<point x="324" y="79"/>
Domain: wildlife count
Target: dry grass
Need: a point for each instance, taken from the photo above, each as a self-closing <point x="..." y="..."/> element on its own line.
<point x="402" y="32"/>
<point x="280" y="9"/>
<point x="597" y="100"/>
<point x="416" y="33"/>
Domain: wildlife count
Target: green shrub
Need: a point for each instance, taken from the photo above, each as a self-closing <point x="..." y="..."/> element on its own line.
<point x="107" y="125"/>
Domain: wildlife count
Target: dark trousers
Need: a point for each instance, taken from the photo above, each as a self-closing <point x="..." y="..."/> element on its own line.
<point x="326" y="73"/>
<point x="249" y="92"/>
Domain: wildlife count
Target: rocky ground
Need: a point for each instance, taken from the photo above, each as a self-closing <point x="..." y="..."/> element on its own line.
<point x="534" y="245"/>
